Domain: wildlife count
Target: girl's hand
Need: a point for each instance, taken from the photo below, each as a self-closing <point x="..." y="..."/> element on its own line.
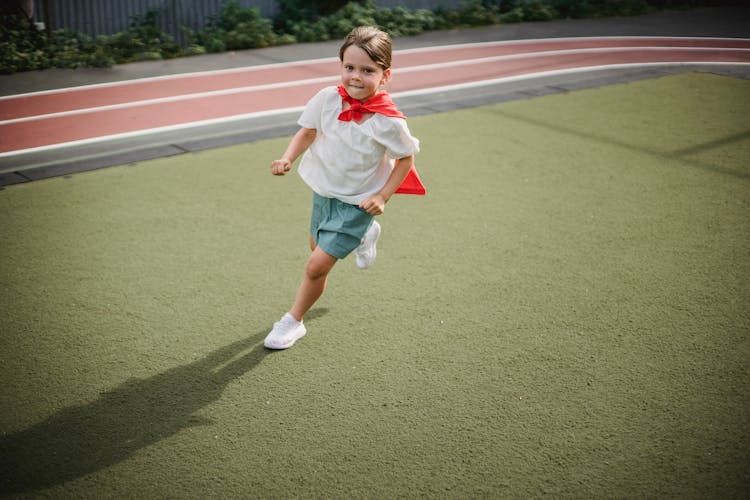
<point x="280" y="167"/>
<point x="374" y="205"/>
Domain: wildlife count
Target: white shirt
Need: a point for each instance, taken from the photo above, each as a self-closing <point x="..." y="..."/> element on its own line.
<point x="347" y="160"/>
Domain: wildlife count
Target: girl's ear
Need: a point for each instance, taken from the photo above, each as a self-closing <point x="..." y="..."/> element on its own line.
<point x="386" y="76"/>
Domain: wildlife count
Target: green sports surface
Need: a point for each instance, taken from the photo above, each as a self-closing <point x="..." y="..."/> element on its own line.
<point x="565" y="314"/>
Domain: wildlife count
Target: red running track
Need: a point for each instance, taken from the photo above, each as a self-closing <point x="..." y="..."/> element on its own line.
<point x="43" y="119"/>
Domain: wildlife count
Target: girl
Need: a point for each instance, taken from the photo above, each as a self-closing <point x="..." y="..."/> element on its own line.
<point x="358" y="152"/>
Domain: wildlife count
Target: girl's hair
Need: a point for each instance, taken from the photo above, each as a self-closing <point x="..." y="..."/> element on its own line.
<point x="375" y="42"/>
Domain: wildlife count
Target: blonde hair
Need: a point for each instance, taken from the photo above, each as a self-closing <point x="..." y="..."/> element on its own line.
<point x="377" y="43"/>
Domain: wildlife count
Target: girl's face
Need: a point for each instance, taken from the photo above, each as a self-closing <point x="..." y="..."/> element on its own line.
<point x="360" y="76"/>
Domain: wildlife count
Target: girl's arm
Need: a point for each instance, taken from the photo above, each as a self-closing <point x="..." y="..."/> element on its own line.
<point x="299" y="143"/>
<point x="374" y="205"/>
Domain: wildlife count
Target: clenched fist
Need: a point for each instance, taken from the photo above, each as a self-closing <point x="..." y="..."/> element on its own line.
<point x="374" y="205"/>
<point x="280" y="167"/>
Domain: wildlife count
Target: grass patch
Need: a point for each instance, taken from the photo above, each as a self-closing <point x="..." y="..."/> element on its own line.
<point x="565" y="314"/>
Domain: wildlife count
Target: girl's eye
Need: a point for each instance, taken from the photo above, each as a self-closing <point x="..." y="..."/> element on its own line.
<point x="349" y="68"/>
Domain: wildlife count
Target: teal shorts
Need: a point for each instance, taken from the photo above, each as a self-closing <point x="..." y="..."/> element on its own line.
<point x="337" y="227"/>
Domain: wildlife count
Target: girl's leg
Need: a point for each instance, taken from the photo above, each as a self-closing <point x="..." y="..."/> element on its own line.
<point x="314" y="282"/>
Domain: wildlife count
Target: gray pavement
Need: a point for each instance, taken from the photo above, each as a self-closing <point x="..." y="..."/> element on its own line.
<point x="733" y="22"/>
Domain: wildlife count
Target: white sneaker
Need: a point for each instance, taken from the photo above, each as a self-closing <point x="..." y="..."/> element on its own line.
<point x="285" y="333"/>
<point x="366" y="252"/>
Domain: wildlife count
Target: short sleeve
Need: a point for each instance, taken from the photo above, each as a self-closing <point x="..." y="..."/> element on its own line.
<point x="313" y="111"/>
<point x="394" y="135"/>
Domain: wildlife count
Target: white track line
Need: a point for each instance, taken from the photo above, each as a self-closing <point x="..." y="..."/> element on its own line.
<point x="408" y="69"/>
<point x="181" y="97"/>
<point x="196" y="74"/>
<point x="297" y="109"/>
<point x="438" y="48"/>
<point x="559" y="72"/>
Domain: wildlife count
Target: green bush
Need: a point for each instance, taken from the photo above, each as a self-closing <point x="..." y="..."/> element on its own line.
<point x="143" y="40"/>
<point x="336" y="25"/>
<point x="537" y="10"/>
<point x="625" y="8"/>
<point x="576" y="9"/>
<point x="292" y="12"/>
<point x="400" y="21"/>
<point x="476" y="13"/>
<point x="514" y="15"/>
<point x="235" y="28"/>
<point x="72" y="49"/>
<point x="23" y="47"/>
<point x="602" y="8"/>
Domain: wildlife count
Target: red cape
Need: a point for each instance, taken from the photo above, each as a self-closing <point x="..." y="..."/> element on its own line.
<point x="383" y="104"/>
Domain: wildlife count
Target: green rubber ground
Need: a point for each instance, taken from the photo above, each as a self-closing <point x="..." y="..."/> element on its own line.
<point x="566" y="314"/>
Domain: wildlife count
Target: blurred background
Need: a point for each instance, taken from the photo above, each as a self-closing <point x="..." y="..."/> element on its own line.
<point x="40" y="34"/>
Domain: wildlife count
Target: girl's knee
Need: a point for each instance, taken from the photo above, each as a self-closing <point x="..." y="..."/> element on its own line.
<point x="315" y="271"/>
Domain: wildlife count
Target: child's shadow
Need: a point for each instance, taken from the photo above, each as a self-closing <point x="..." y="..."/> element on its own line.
<point x="82" y="439"/>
